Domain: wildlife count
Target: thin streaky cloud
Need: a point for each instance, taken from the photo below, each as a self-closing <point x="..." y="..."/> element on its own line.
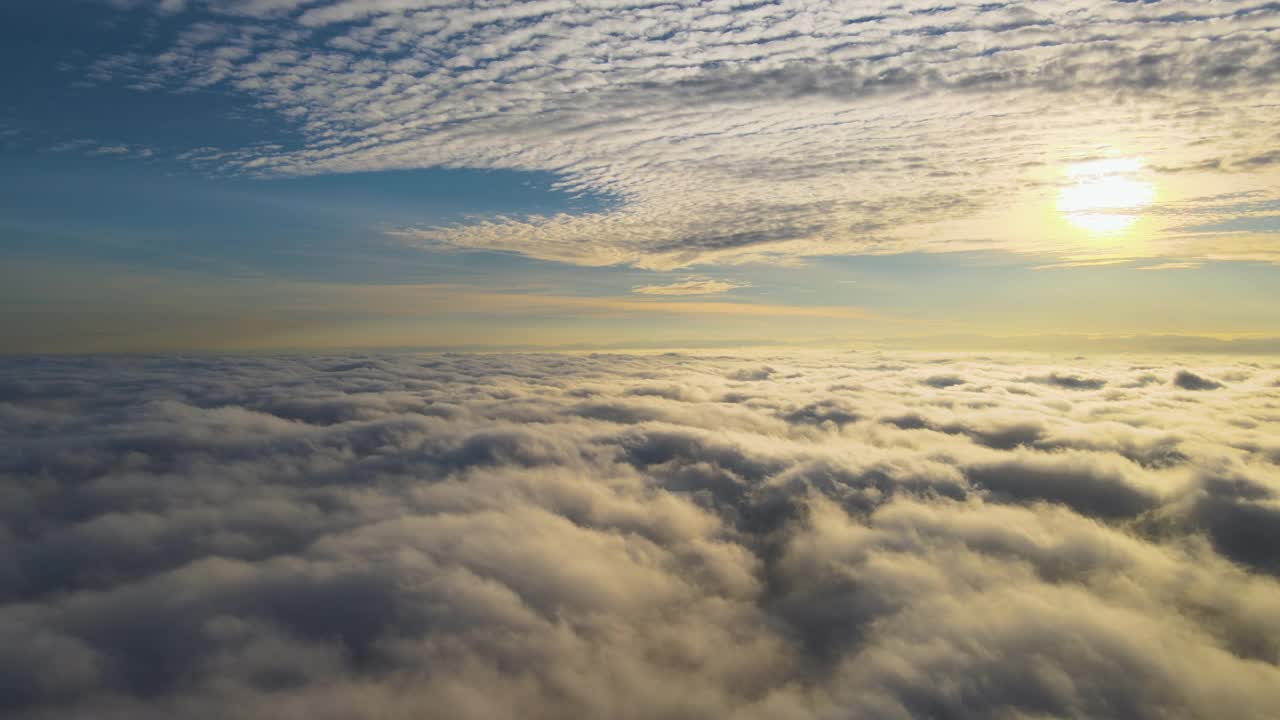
<point x="1183" y="265"/>
<point x="691" y="286"/>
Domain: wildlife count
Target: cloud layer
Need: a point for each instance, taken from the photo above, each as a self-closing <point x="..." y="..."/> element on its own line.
<point x="729" y="131"/>
<point x="690" y="286"/>
<point x="549" y="536"/>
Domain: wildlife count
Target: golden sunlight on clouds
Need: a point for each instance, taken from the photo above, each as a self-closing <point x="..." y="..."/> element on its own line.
<point x="1106" y="197"/>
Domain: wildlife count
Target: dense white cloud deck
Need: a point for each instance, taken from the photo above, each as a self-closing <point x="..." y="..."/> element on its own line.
<point x="851" y="535"/>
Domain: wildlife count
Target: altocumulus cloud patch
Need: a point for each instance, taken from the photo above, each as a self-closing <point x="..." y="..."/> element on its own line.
<point x="674" y="536"/>
<point x="727" y="131"/>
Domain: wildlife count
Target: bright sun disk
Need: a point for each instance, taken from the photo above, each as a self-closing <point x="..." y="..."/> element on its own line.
<point x="1107" y="196"/>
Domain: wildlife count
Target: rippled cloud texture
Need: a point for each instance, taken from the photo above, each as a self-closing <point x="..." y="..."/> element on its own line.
<point x="543" y="536"/>
<point x="733" y="131"/>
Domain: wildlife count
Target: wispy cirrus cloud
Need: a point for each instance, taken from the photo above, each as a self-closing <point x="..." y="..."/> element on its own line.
<point x="690" y="286"/>
<point x="1179" y="265"/>
<point x="97" y="148"/>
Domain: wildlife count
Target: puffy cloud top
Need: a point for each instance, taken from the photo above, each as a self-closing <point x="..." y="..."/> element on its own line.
<point x="548" y="536"/>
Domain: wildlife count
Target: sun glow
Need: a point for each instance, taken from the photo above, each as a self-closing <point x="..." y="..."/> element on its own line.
<point x="1106" y="196"/>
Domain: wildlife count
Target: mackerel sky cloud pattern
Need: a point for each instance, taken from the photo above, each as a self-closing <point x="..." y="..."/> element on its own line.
<point x="724" y="132"/>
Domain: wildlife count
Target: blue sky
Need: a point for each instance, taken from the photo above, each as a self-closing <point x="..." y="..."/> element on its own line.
<point x="378" y="172"/>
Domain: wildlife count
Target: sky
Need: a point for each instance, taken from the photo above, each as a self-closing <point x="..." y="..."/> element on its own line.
<point x="639" y="359"/>
<point x="308" y="174"/>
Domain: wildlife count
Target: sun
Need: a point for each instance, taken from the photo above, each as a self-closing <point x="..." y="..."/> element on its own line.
<point x="1106" y="197"/>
